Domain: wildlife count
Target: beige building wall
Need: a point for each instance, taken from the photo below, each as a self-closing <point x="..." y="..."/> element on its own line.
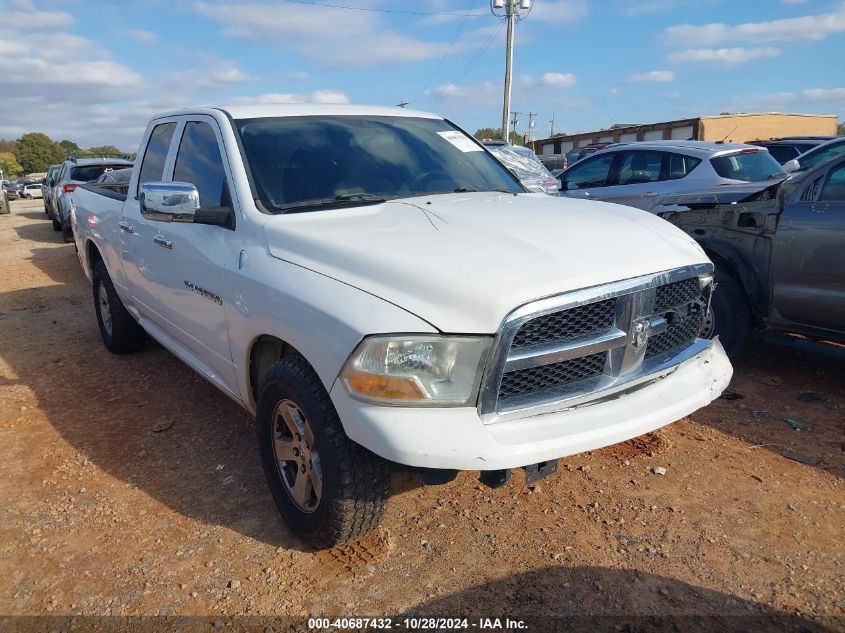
<point x="762" y="127"/>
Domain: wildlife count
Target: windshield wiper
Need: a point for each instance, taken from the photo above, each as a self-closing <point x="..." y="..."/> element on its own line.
<point x="348" y="199"/>
<point x="480" y="190"/>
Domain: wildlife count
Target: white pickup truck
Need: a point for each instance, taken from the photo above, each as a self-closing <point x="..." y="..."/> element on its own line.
<point x="375" y="287"/>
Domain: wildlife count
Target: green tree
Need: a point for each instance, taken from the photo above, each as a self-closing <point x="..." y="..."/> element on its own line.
<point x="840" y="129"/>
<point x="488" y="132"/>
<point x="70" y="147"/>
<point x="36" y="152"/>
<point x="9" y="165"/>
<point x="104" y="150"/>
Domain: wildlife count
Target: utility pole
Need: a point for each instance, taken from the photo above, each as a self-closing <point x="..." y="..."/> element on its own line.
<point x="506" y="107"/>
<point x="514" y="121"/>
<point x="512" y="8"/>
<point x="552" y="123"/>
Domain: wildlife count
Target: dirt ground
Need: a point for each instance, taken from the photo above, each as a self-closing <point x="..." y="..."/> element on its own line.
<point x="130" y="486"/>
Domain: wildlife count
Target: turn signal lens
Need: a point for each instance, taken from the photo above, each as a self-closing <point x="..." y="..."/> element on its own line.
<point x="384" y="387"/>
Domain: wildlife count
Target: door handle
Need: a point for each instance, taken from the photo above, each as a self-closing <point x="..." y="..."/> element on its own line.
<point x="163" y="241"/>
<point x="125" y="226"/>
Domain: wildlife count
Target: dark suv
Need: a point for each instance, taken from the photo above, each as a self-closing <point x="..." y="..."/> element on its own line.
<point x="785" y="149"/>
<point x="72" y="173"/>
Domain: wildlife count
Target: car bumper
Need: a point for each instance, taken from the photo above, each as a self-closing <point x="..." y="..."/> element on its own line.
<point x="456" y="438"/>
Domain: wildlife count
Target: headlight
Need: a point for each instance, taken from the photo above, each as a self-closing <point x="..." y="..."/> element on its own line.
<point x="416" y="371"/>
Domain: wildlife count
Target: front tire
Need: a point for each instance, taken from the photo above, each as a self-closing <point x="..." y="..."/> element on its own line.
<point x="328" y="489"/>
<point x="730" y="315"/>
<point x="121" y="333"/>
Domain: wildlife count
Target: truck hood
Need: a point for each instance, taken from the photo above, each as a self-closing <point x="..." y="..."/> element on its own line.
<point x="462" y="262"/>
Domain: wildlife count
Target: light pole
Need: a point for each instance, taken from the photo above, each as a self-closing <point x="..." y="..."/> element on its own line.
<point x="512" y="13"/>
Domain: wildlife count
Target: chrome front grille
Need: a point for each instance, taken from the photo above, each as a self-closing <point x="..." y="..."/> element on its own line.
<point x="581" y="346"/>
<point x="563" y="325"/>
<point x="534" y="379"/>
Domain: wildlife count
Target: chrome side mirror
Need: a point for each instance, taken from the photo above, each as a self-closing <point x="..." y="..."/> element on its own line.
<point x="791" y="166"/>
<point x="169" y="201"/>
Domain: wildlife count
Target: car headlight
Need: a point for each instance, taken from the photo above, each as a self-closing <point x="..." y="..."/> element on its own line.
<point x="416" y="371"/>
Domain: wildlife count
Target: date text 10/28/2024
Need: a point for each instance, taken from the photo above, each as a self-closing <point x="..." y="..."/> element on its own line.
<point x="417" y="624"/>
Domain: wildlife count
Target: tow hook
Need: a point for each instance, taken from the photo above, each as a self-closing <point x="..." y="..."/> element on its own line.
<point x="495" y="478"/>
<point x="536" y="472"/>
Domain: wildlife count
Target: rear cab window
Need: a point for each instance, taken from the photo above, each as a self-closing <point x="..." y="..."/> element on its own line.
<point x="748" y="165"/>
<point x="89" y="173"/>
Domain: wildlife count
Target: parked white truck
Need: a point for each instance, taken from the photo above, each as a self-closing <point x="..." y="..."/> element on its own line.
<point x="375" y="287"/>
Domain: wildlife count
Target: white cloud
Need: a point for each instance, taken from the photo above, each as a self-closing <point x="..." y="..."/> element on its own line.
<point x="810" y="27"/>
<point x="828" y="100"/>
<point x="143" y="36"/>
<point x="28" y="19"/>
<point x="317" y="96"/>
<point x="795" y="1"/>
<point x="558" y="80"/>
<point x="727" y="56"/>
<point x="336" y="38"/>
<point x="213" y="75"/>
<point x="559" y="11"/>
<point x="658" y="76"/>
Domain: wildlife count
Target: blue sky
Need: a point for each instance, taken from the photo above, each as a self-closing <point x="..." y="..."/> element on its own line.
<point x="94" y="72"/>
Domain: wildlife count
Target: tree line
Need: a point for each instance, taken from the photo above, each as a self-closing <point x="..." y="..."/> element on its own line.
<point x="35" y="152"/>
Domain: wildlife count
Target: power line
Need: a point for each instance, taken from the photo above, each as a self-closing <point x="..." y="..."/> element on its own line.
<point x="449" y="50"/>
<point x="479" y="53"/>
<point x="371" y="10"/>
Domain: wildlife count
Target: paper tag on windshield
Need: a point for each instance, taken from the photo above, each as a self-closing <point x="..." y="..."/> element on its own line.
<point x="461" y="141"/>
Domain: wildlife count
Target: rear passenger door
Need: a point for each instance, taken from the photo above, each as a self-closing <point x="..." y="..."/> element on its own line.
<point x="637" y="179"/>
<point x="808" y="264"/>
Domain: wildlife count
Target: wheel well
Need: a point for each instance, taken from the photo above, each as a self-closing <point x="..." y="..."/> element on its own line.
<point x="729" y="267"/>
<point x="266" y="351"/>
<point x="93" y="255"/>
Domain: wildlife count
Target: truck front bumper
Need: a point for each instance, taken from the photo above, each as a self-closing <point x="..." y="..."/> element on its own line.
<point x="456" y="438"/>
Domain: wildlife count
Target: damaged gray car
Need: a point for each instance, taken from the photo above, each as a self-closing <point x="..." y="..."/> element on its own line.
<point x="779" y="252"/>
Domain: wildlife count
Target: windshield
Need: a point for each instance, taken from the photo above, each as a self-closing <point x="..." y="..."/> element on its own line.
<point x="749" y="166"/>
<point x="303" y="163"/>
<point x="821" y="154"/>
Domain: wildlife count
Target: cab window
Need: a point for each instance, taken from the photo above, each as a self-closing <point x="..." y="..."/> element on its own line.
<point x="199" y="163"/>
<point x="152" y="169"/>
<point x="834" y="188"/>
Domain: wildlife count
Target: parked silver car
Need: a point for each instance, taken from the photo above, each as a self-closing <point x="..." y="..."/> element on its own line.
<point x="635" y="174"/>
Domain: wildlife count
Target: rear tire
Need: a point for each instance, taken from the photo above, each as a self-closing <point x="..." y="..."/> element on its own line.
<point x="345" y="485"/>
<point x="57" y="226"/>
<point x="730" y="315"/>
<point x="67" y="231"/>
<point x="120" y="332"/>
